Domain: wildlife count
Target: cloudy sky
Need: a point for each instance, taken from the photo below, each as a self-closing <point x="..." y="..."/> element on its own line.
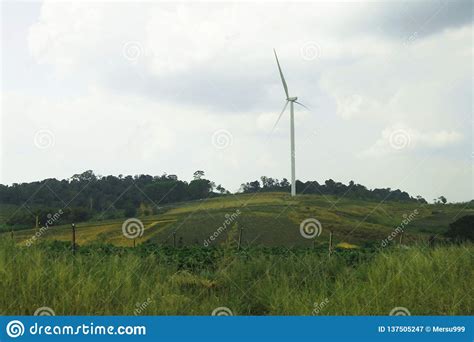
<point x="135" y="87"/>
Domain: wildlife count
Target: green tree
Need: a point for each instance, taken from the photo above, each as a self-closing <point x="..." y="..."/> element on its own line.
<point x="221" y="189"/>
<point x="199" y="188"/>
<point x="130" y="211"/>
<point x="198" y="174"/>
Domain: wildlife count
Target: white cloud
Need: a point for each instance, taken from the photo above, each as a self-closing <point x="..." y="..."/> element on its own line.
<point x="402" y="139"/>
<point x="132" y="87"/>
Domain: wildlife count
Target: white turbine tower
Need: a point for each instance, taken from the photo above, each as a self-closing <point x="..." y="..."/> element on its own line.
<point x="291" y="101"/>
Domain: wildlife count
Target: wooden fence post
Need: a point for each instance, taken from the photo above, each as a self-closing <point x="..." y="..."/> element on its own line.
<point x="240" y="238"/>
<point x="330" y="243"/>
<point x="73" y="226"/>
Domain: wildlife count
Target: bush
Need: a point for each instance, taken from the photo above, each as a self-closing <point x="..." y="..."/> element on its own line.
<point x="462" y="229"/>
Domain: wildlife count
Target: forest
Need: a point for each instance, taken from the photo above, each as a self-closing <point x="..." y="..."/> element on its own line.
<point x="87" y="195"/>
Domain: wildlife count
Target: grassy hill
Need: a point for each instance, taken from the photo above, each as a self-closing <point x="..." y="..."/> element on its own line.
<point x="269" y="219"/>
<point x="267" y="278"/>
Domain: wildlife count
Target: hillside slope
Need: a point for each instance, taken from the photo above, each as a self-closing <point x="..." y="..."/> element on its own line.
<point x="270" y="219"/>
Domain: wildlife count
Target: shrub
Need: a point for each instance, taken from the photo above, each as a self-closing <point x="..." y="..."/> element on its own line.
<point x="462" y="229"/>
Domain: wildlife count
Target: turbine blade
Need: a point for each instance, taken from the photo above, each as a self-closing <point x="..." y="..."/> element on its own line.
<point x="281" y="75"/>
<point x="301" y="105"/>
<point x="279" y="117"/>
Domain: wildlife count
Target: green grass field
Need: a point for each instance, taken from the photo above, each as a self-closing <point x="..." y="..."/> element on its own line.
<point x="276" y="272"/>
<point x="105" y="280"/>
<point x="269" y="219"/>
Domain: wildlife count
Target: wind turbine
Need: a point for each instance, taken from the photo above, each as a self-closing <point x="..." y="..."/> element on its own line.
<point x="291" y="101"/>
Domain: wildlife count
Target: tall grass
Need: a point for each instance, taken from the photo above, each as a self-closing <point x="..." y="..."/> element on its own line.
<point x="154" y="281"/>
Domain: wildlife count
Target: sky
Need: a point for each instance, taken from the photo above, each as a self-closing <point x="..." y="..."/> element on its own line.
<point x="163" y="87"/>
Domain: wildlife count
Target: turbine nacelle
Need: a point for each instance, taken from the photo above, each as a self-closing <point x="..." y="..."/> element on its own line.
<point x="292" y="99"/>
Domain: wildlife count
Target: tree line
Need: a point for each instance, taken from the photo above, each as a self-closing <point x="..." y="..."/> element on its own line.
<point x="85" y="196"/>
<point x="330" y="187"/>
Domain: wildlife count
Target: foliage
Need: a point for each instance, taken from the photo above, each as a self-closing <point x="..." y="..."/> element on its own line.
<point x="88" y="195"/>
<point x="462" y="229"/>
<point x="27" y="218"/>
<point x="330" y="187"/>
<point x="440" y="200"/>
<point x="106" y="280"/>
<point x="130" y="211"/>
